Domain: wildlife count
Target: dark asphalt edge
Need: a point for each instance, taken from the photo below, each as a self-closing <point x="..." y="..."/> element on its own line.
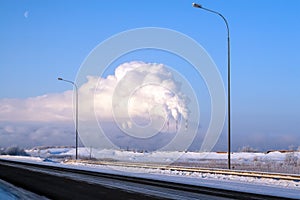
<point x="55" y="187"/>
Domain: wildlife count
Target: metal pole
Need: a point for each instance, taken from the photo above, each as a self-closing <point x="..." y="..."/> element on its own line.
<point x="76" y="123"/>
<point x="76" y="113"/>
<point x="228" y="78"/>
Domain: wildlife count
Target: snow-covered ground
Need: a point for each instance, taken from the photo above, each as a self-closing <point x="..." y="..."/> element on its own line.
<point x="157" y="156"/>
<point x="11" y="192"/>
<point x="255" y="185"/>
<point x="59" y="156"/>
<point x="276" y="161"/>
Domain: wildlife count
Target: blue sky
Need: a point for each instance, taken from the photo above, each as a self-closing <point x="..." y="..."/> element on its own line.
<point x="41" y="40"/>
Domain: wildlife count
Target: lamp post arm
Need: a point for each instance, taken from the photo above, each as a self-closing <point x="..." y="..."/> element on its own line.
<point x="212" y="11"/>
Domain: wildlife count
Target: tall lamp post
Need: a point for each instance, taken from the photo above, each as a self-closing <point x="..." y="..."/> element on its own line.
<point x="76" y="120"/>
<point x="228" y="78"/>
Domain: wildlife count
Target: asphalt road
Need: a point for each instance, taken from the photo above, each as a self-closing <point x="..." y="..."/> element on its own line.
<point x="55" y="187"/>
<point x="58" y="187"/>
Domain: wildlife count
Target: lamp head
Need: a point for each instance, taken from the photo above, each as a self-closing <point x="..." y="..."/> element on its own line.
<point x="196" y="5"/>
<point x="60" y="79"/>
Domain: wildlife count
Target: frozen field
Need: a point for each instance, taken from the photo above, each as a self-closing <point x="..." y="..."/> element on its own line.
<point x="287" y="162"/>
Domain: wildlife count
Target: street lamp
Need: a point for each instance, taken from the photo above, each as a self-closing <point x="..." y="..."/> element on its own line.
<point x="228" y="78"/>
<point x="76" y="120"/>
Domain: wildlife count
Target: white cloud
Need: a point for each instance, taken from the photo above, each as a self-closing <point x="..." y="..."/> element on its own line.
<point x="30" y="134"/>
<point x="49" y="107"/>
<point x="137" y="88"/>
<point x="145" y="88"/>
<point x="148" y="85"/>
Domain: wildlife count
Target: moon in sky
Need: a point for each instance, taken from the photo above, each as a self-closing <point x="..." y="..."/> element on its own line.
<point x="26" y="14"/>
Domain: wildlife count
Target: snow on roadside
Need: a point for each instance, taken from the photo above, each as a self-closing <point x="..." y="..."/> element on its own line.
<point x="196" y="175"/>
<point x="22" y="158"/>
<point x="11" y="192"/>
<point x="187" y="157"/>
<point x="167" y="157"/>
<point x="282" y="187"/>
